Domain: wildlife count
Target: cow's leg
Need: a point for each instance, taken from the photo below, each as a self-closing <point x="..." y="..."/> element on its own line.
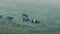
<point x="23" y="19"/>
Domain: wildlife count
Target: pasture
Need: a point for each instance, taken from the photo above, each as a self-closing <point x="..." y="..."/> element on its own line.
<point x="49" y="19"/>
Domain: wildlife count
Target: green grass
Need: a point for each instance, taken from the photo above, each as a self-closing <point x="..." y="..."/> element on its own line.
<point x="49" y="20"/>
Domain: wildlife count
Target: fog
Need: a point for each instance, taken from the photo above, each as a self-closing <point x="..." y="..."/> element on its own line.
<point x="46" y="4"/>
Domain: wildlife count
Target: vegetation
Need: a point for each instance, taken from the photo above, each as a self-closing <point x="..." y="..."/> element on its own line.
<point x="49" y="19"/>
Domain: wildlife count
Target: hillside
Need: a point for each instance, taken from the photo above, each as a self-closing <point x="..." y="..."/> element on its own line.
<point x="48" y="13"/>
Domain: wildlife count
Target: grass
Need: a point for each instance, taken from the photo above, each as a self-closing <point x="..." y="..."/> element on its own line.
<point x="49" y="20"/>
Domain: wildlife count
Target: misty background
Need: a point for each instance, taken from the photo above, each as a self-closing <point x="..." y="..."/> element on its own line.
<point x="36" y="3"/>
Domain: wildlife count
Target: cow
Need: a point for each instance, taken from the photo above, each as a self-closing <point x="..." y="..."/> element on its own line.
<point x="10" y="18"/>
<point x="35" y="21"/>
<point x="24" y="15"/>
<point x="26" y="19"/>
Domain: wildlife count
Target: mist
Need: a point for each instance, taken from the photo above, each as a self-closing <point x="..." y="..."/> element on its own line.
<point x="36" y="3"/>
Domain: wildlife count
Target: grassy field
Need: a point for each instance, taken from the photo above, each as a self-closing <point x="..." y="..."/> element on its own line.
<point x="49" y="19"/>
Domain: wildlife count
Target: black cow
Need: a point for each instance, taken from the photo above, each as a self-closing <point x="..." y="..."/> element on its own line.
<point x="24" y="15"/>
<point x="10" y="18"/>
<point x="35" y="21"/>
<point x="26" y="19"/>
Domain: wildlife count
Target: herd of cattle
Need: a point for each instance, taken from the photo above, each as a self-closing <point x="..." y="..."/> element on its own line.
<point x="25" y="18"/>
<point x="8" y="17"/>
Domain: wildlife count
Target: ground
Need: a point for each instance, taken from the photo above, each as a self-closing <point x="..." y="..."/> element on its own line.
<point x="49" y="20"/>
